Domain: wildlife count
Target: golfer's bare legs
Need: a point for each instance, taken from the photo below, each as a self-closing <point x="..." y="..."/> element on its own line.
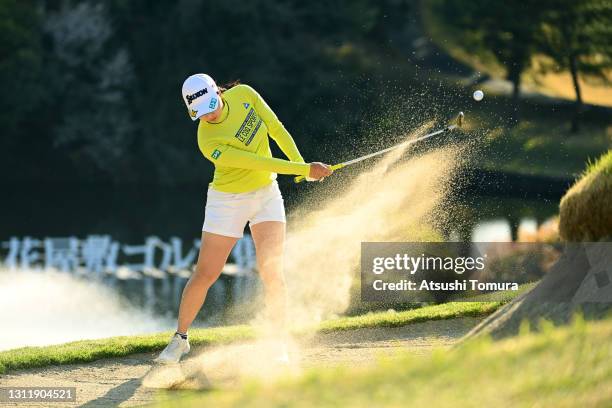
<point x="269" y="238"/>
<point x="214" y="251"/>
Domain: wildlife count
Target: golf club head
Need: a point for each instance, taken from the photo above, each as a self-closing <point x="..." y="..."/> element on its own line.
<point x="459" y="120"/>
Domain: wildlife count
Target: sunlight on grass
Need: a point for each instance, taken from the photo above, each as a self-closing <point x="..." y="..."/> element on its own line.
<point x="559" y="85"/>
<point x="544" y="147"/>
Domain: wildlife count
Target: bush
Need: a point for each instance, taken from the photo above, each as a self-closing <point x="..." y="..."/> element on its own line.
<point x="585" y="212"/>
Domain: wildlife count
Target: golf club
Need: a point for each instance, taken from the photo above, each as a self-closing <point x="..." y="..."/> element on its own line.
<point x="457" y="123"/>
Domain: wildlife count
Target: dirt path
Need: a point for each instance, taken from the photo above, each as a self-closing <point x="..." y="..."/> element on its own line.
<point x="135" y="380"/>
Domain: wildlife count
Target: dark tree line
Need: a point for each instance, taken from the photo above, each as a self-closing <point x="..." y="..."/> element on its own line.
<point x="91" y="88"/>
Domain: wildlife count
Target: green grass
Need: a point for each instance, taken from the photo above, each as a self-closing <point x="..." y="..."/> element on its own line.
<point x="91" y="350"/>
<point x="557" y="367"/>
<point x="540" y="144"/>
<point x="601" y="165"/>
<point x="394" y="319"/>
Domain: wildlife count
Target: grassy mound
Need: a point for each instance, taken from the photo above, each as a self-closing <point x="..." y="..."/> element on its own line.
<point x="579" y="280"/>
<point x="557" y="367"/>
<point x="586" y="209"/>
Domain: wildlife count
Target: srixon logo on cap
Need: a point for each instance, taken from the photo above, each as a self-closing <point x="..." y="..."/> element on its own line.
<point x="193" y="97"/>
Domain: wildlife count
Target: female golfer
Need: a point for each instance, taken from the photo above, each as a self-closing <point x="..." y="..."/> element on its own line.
<point x="233" y="134"/>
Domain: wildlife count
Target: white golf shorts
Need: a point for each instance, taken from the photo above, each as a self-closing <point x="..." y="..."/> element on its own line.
<point x="228" y="213"/>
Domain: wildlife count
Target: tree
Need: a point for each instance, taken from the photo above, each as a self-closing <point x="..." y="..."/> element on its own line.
<point x="505" y="29"/>
<point x="20" y="70"/>
<point x="90" y="79"/>
<point x="577" y="36"/>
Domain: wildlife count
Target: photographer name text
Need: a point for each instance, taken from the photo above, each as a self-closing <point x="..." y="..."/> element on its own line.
<point x="457" y="285"/>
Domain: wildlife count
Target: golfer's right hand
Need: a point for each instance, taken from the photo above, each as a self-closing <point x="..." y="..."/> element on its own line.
<point x="318" y="171"/>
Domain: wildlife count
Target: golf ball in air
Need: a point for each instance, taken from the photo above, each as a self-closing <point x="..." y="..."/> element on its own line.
<point x="478" y="95"/>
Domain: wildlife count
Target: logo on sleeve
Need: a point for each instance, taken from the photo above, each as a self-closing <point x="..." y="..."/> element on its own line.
<point x="246" y="105"/>
<point x="215" y="155"/>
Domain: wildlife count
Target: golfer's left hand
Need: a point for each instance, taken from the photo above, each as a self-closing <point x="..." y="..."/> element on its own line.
<point x="318" y="171"/>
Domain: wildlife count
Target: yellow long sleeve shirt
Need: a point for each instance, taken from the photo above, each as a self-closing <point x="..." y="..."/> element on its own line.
<point x="238" y="145"/>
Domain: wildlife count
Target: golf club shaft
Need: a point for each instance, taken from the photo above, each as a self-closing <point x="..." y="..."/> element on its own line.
<point x="403" y="144"/>
<point x="299" y="179"/>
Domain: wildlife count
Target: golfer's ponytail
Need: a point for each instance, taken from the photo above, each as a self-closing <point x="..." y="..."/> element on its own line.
<point x="229" y="85"/>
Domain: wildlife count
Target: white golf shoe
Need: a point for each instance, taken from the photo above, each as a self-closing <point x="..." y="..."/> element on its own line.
<point x="173" y="352"/>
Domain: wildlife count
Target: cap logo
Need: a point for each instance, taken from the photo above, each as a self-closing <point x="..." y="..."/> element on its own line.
<point x="213" y="103"/>
<point x="193" y="113"/>
<point x="193" y="97"/>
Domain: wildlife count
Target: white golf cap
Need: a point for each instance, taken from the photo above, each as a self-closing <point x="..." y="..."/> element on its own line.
<point x="200" y="95"/>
